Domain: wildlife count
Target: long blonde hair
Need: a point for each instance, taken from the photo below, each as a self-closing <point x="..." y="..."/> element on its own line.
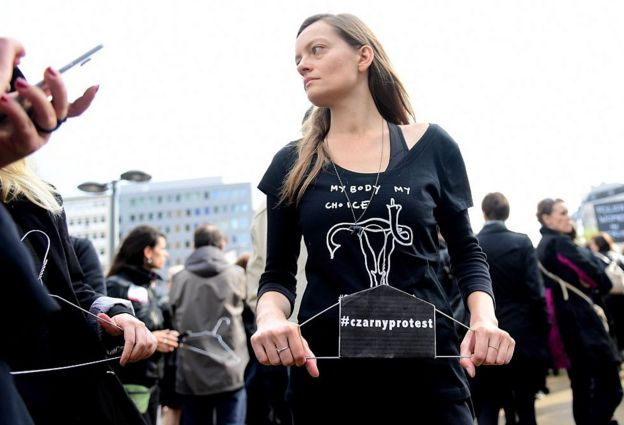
<point x="18" y="180"/>
<point x="386" y="89"/>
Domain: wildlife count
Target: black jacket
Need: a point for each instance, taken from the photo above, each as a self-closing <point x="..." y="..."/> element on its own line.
<point x="31" y="303"/>
<point x="89" y="263"/>
<point x="90" y="394"/>
<point x="583" y="334"/>
<point x="135" y="284"/>
<point x="518" y="289"/>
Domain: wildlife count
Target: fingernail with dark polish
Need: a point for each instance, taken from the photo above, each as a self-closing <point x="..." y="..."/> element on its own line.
<point x="53" y="72"/>
<point x="20" y="83"/>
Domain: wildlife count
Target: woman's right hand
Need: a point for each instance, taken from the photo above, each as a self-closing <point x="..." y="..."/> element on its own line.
<point x="278" y="341"/>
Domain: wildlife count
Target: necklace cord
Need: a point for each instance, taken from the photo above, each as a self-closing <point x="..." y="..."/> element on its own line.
<point x="356" y="220"/>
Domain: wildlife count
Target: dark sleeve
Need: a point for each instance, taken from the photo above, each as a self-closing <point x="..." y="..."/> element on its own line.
<point x="535" y="285"/>
<point x="90" y="264"/>
<point x="84" y="293"/>
<point x="273" y="179"/>
<point x="468" y="261"/>
<point x="455" y="194"/>
<point x="283" y="245"/>
<point x="587" y="271"/>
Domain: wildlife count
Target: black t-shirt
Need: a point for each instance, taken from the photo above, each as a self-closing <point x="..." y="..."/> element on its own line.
<point x="394" y="243"/>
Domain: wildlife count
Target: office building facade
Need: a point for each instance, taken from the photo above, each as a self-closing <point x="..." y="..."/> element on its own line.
<point x="176" y="208"/>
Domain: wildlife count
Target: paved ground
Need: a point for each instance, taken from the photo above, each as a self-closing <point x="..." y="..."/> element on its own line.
<point x="556" y="407"/>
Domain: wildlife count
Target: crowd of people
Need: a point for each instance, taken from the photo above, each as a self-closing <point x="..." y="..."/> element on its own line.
<point x="259" y="341"/>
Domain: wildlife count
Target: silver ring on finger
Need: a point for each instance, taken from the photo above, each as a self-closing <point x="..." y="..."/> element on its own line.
<point x="280" y="350"/>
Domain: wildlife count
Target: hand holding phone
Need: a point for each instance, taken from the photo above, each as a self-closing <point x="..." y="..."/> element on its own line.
<point x="80" y="60"/>
<point x="26" y="131"/>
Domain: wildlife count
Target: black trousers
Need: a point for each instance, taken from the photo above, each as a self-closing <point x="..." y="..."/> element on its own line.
<point x="511" y="387"/>
<point x="596" y="392"/>
<point x="366" y="392"/>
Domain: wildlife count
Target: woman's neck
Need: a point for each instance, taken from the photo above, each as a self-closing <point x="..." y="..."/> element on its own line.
<point x="355" y="117"/>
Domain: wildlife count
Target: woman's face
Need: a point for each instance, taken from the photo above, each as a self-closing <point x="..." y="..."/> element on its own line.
<point x="158" y="254"/>
<point x="558" y="219"/>
<point x="328" y="65"/>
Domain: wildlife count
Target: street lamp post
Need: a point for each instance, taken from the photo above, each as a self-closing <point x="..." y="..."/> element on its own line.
<point x="93" y="187"/>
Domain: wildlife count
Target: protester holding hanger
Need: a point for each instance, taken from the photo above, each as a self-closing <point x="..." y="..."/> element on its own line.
<point x="365" y="166"/>
<point x="573" y="280"/>
<point x="76" y="386"/>
<point x="211" y="292"/>
<point x="132" y="276"/>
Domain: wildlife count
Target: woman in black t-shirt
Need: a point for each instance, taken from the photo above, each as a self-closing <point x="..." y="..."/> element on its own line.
<point x="367" y="189"/>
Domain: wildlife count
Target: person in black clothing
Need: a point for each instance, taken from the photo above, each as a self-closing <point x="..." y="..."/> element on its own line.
<point x="89" y="263"/>
<point x="604" y="252"/>
<point x="19" y="276"/>
<point x="449" y="283"/>
<point x="573" y="279"/>
<point x="367" y="189"/>
<point x="132" y="277"/>
<point x="521" y="311"/>
<point x="51" y="335"/>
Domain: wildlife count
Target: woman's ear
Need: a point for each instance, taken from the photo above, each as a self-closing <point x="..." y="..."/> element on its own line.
<point x="546" y="219"/>
<point x="147" y="254"/>
<point x="366" y="57"/>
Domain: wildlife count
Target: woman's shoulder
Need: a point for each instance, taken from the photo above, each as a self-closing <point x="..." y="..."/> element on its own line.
<point x="288" y="152"/>
<point x="422" y="133"/>
<point x="282" y="162"/>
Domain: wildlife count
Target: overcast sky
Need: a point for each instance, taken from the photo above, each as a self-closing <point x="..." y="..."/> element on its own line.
<point x="532" y="91"/>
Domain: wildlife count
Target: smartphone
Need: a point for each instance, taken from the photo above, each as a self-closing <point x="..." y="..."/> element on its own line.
<point x="80" y="60"/>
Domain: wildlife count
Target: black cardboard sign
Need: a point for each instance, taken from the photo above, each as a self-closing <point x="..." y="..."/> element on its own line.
<point x="385" y="322"/>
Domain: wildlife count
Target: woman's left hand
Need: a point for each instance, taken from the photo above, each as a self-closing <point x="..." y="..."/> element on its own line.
<point x="167" y="340"/>
<point x="22" y="133"/>
<point x="486" y="344"/>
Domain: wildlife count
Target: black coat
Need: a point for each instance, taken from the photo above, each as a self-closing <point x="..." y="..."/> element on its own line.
<point x="91" y="394"/>
<point x="583" y="334"/>
<point x="89" y="263"/>
<point x="30" y="302"/>
<point x="518" y="290"/>
<point x="147" y="309"/>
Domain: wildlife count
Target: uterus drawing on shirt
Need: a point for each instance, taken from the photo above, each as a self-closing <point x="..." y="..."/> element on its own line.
<point x="376" y="253"/>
